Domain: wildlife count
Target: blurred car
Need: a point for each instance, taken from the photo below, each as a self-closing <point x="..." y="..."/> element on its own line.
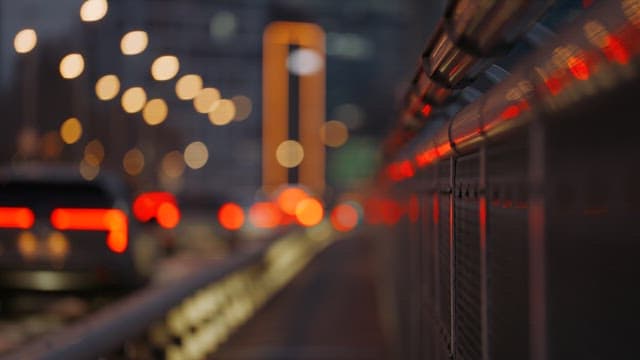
<point x="61" y="232"/>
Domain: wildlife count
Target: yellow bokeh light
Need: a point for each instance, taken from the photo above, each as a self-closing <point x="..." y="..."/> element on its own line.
<point x="93" y="10"/>
<point x="155" y="111"/>
<point x="134" y="42"/>
<point x="88" y="171"/>
<point x="196" y="155"/>
<point x="188" y="86"/>
<point x="289" y="153"/>
<point x="133" y="162"/>
<point x="134" y="99"/>
<point x="334" y="133"/>
<point x="71" y="130"/>
<point x="107" y="87"/>
<point x="223" y="112"/>
<point x="94" y="152"/>
<point x="165" y="67"/>
<point x="25" y="41"/>
<point x="71" y="66"/>
<point x="206" y="98"/>
<point x="243" y="107"/>
<point x="173" y="164"/>
<point x="58" y="245"/>
<point x="27" y="245"/>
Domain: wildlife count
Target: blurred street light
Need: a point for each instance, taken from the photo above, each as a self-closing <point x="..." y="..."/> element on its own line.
<point x="155" y="112"/>
<point x="203" y="102"/>
<point x="289" y="153"/>
<point x="93" y="10"/>
<point x="223" y="112"/>
<point x="25" y="41"/>
<point x="133" y="99"/>
<point x="334" y="133"/>
<point x="107" y="87"/>
<point x="71" y="66"/>
<point x="243" y="107"/>
<point x="134" y="42"/>
<point x="196" y="155"/>
<point x="165" y="67"/>
<point x="133" y="162"/>
<point x="71" y="130"/>
<point x="188" y="86"/>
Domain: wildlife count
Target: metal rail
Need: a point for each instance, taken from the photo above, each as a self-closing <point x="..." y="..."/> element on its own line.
<point x="471" y="35"/>
<point x="600" y="49"/>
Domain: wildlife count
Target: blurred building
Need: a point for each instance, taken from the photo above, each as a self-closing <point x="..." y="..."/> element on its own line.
<point x="221" y="42"/>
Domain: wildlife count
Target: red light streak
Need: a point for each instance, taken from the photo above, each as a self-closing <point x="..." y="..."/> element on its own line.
<point x="426" y="157"/>
<point x="510" y="112"/>
<point x="554" y="85"/>
<point x="443" y="149"/>
<point x="16" y="217"/>
<point x="578" y="68"/>
<point x="113" y="221"/>
<point x="615" y="51"/>
<point x="400" y="170"/>
<point x="426" y="110"/>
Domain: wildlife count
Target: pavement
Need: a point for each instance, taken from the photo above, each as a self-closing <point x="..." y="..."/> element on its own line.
<point x="329" y="311"/>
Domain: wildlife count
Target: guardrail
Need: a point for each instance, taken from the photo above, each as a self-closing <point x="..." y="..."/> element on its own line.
<point x="189" y="317"/>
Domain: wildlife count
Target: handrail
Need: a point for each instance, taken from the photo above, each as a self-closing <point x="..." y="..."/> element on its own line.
<point x="108" y="329"/>
<point x="598" y="50"/>
<point x="465" y="43"/>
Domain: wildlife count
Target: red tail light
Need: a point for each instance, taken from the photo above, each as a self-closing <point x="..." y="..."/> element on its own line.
<point x="159" y="205"/>
<point x="16" y="217"/>
<point x="113" y="221"/>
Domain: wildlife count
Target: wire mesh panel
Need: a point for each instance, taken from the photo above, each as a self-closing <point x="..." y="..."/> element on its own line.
<point x="427" y="302"/>
<point x="507" y="250"/>
<point x="444" y="258"/>
<point x="508" y="283"/>
<point x="592" y="228"/>
<point x="468" y="317"/>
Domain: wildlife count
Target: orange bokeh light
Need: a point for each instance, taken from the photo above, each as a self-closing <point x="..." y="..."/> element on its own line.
<point x="289" y="198"/>
<point x="344" y="217"/>
<point x="16" y="217"/>
<point x="309" y="212"/>
<point x="231" y="216"/>
<point x="168" y="215"/>
<point x="113" y="221"/>
<point x="265" y="215"/>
